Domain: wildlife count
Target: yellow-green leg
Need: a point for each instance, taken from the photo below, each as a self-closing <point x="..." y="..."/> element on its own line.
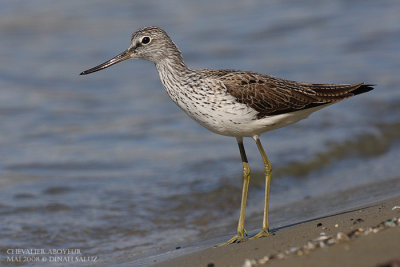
<point x="268" y="172"/>
<point x="239" y="237"/>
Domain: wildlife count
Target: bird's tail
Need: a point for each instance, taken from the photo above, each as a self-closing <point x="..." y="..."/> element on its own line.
<point x="363" y="89"/>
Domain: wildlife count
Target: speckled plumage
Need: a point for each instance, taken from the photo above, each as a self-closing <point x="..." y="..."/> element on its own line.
<point x="230" y="102"/>
<point x="233" y="103"/>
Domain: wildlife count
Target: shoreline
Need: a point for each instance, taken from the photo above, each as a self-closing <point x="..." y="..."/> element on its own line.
<point x="364" y="236"/>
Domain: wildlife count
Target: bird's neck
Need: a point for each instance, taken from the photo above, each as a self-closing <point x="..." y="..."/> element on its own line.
<point x="173" y="73"/>
<point x="172" y="65"/>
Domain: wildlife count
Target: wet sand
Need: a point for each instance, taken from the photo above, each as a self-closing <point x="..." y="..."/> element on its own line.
<point x="365" y="236"/>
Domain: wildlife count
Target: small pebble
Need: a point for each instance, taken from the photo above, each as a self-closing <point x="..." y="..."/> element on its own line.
<point x="321" y="238"/>
<point x="390" y="223"/>
<point x="280" y="256"/>
<point x="263" y="260"/>
<point x="309" y="245"/>
<point x="299" y="252"/>
<point x="331" y="241"/>
<point x="342" y="236"/>
<point x="249" y="263"/>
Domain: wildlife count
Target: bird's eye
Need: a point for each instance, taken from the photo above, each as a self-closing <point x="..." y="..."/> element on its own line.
<point x="145" y="40"/>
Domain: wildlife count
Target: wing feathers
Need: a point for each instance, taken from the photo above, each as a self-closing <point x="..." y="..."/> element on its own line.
<point x="271" y="96"/>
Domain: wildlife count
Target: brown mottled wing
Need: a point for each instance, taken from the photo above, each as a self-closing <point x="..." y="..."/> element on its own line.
<point x="271" y="96"/>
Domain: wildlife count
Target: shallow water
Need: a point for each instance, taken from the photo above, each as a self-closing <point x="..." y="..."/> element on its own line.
<point x="107" y="164"/>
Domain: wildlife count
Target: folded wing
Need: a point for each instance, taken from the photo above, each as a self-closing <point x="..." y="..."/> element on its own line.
<point x="272" y="96"/>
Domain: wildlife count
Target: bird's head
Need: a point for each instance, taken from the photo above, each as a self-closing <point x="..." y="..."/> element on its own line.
<point x="150" y="43"/>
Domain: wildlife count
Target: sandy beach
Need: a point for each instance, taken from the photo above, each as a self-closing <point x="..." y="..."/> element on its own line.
<point x="368" y="235"/>
<point x="108" y="165"/>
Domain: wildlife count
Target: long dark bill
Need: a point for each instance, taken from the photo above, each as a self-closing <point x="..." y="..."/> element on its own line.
<point x="121" y="57"/>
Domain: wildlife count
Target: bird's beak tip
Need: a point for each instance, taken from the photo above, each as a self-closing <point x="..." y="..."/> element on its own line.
<point x="121" y="57"/>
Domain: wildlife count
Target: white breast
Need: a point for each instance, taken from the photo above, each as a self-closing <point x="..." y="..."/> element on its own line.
<point x="208" y="103"/>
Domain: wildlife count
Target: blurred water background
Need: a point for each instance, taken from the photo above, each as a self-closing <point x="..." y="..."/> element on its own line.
<point x="108" y="164"/>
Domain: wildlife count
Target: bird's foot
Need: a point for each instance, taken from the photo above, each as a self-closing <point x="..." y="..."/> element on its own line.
<point x="239" y="237"/>
<point x="263" y="233"/>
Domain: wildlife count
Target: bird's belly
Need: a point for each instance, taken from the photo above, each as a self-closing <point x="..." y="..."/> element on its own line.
<point x="243" y="122"/>
<point x="232" y="120"/>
